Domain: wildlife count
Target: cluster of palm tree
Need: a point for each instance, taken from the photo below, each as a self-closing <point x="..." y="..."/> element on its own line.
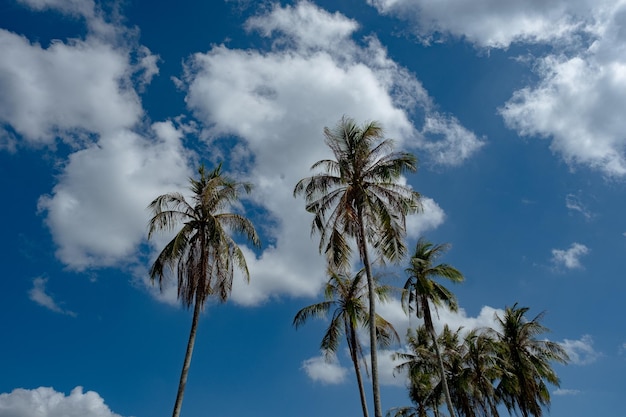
<point x="357" y="199"/>
<point x="484" y="369"/>
<point x="358" y="202"/>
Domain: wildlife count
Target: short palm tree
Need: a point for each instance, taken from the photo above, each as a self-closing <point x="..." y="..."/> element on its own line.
<point x="421" y="365"/>
<point x="202" y="253"/>
<point x="481" y="368"/>
<point x="421" y="289"/>
<point x="526" y="362"/>
<point x="358" y="196"/>
<point x="347" y="296"/>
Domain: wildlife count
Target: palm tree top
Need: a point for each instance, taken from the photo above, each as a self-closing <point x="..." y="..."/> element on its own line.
<point x="360" y="185"/>
<point x="422" y="271"/>
<point x="202" y="253"/>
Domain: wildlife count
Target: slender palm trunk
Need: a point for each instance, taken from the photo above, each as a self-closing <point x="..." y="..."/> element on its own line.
<point x="357" y="370"/>
<point x="362" y="244"/>
<point x="442" y="371"/>
<point x="183" y="375"/>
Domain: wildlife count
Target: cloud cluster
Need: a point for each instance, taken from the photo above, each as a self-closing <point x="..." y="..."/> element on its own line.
<point x="84" y="92"/>
<point x="578" y="100"/>
<point x="278" y="102"/>
<point x="46" y="402"/>
<point x="97" y="213"/>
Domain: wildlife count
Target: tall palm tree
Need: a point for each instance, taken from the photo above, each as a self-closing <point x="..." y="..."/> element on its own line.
<point x="347" y="296"/>
<point x="421" y="289"/>
<point x="202" y="254"/>
<point x="527" y="362"/>
<point x="357" y="195"/>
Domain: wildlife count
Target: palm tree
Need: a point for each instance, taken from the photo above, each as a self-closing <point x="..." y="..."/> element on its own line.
<point x="526" y="362"/>
<point x="202" y="253"/>
<point x="421" y="289"/>
<point x="347" y="297"/>
<point x="357" y="195"/>
<point x="420" y="365"/>
<point x="474" y="388"/>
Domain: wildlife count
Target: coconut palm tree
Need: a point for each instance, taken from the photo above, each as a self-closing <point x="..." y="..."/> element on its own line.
<point x="358" y="196"/>
<point x="421" y="366"/>
<point x="526" y="361"/>
<point x="421" y="289"/>
<point x="347" y="296"/>
<point x="474" y="391"/>
<point x="202" y="254"/>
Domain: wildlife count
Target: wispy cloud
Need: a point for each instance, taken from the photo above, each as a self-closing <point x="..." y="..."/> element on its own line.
<point x="38" y="294"/>
<point x="564" y="392"/>
<point x="570" y="258"/>
<point x="581" y="352"/>
<point x="574" y="203"/>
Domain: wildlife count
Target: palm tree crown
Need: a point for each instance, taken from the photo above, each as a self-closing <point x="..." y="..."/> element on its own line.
<point x="526" y="362"/>
<point x="202" y="252"/>
<point x="360" y="187"/>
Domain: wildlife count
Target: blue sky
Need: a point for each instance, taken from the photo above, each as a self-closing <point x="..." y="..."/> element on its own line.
<point x="514" y="109"/>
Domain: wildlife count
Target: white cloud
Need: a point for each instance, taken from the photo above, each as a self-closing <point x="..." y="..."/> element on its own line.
<point x="449" y="142"/>
<point x="305" y="25"/>
<point x="577" y="106"/>
<point x="563" y="392"/>
<point x="85" y="8"/>
<point x="46" y="402"/>
<point x="97" y="212"/>
<point x="70" y="90"/>
<point x="577" y="102"/>
<point x="287" y="96"/>
<point x="573" y="202"/>
<point x="496" y="24"/>
<point x="570" y="258"/>
<point x="431" y="217"/>
<point x="321" y="370"/>
<point x="581" y="352"/>
<point x="39" y="295"/>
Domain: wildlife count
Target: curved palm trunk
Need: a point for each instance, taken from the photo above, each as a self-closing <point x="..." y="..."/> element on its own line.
<point x="183" y="375"/>
<point x="428" y="321"/>
<point x="361" y="243"/>
<point x="357" y="370"/>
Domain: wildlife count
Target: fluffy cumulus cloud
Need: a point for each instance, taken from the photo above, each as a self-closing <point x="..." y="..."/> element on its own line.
<point x="46" y="402"/>
<point x="327" y="372"/>
<point x="493" y="24"/>
<point x="581" y="351"/>
<point x="65" y="90"/>
<point x="75" y="89"/>
<point x="288" y="94"/>
<point x="577" y="101"/>
<point x="569" y="258"/>
<point x="98" y="210"/>
<point x="429" y="218"/>
<point x="39" y="295"/>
